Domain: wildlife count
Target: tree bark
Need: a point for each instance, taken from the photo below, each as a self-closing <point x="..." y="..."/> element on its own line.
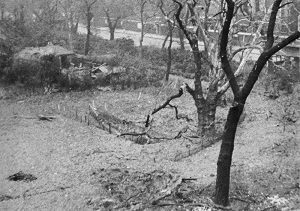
<point x="111" y="33"/>
<point x="169" y="62"/>
<point x="111" y="25"/>
<point x="225" y="156"/>
<point x="241" y="94"/>
<point x="142" y="10"/>
<point x="181" y="40"/>
<point x="206" y="108"/>
<point x="87" y="43"/>
<point x="165" y="41"/>
<point x="142" y="40"/>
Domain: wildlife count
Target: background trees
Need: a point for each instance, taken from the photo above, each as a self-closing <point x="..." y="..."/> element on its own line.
<point x="115" y="11"/>
<point x="88" y="8"/>
<point x="71" y="12"/>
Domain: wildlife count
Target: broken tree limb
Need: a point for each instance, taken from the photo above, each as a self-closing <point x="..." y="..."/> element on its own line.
<point x="40" y="117"/>
<point x="197" y="148"/>
<point x="181" y="116"/>
<point x="132" y="131"/>
<point x="126" y="129"/>
<point x="165" y="104"/>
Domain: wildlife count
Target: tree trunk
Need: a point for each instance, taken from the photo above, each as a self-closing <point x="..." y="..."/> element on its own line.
<point x="181" y="40"/>
<point x="75" y="27"/>
<point x="87" y="43"/>
<point x="112" y="33"/>
<point x="211" y="107"/>
<point x="70" y="36"/>
<point x="141" y="42"/>
<point x="200" y="101"/>
<point x="169" y="62"/>
<point x="165" y="41"/>
<point x="225" y="156"/>
<point x="142" y="7"/>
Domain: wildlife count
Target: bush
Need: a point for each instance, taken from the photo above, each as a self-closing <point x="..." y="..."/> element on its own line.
<point x="281" y="77"/>
<point x="138" y="72"/>
<point x="126" y="46"/>
<point x="155" y="55"/>
<point x="76" y="80"/>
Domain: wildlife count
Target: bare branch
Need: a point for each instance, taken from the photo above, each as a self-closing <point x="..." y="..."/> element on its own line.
<point x="281" y="6"/>
<point x="272" y="21"/>
<point x="180" y="23"/>
<point x="245" y="48"/>
<point x="264" y="57"/>
<point x="223" y="48"/>
<point x="166" y="103"/>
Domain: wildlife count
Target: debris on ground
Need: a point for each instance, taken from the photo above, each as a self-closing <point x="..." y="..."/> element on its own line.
<point x="125" y="189"/>
<point x="20" y="176"/>
<point x="47" y="118"/>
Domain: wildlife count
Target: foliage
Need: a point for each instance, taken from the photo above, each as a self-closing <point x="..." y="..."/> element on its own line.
<point x="281" y="77"/>
<point x="139" y="72"/>
<point x="34" y="73"/>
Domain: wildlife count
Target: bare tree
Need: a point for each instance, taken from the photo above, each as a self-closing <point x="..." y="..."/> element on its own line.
<point x="145" y="10"/>
<point x="115" y="11"/>
<point x="201" y="27"/>
<point x="241" y="93"/>
<point x="169" y="16"/>
<point x="2" y="9"/>
<point x="88" y="8"/>
<point x="71" y="13"/>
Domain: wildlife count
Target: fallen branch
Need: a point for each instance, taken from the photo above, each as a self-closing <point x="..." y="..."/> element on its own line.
<point x="179" y="135"/>
<point x="177" y="115"/>
<point x="47" y="118"/>
<point x="114" y="125"/>
<point x="192" y="151"/>
<point x="40" y="117"/>
<point x="164" y="105"/>
<point x="24" y="195"/>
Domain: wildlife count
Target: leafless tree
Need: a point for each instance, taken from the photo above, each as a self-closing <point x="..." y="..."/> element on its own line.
<point x="71" y="13"/>
<point x="170" y="19"/>
<point x="88" y="12"/>
<point x="115" y="11"/>
<point x="241" y="93"/>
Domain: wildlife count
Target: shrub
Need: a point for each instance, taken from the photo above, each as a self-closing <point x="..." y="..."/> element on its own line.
<point x="126" y="46"/>
<point x="155" y="55"/>
<point x="138" y="72"/>
<point x="281" y="77"/>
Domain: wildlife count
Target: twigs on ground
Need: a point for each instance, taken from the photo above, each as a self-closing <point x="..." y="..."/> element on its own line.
<point x="24" y="195"/>
<point x="156" y="139"/>
<point x="39" y="117"/>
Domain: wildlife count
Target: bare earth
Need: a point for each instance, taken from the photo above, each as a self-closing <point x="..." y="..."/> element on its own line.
<point x="66" y="154"/>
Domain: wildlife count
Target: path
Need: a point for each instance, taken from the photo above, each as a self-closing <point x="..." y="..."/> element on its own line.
<point x="149" y="39"/>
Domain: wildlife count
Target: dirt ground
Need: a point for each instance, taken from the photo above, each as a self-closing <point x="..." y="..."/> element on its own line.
<point x="80" y="167"/>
